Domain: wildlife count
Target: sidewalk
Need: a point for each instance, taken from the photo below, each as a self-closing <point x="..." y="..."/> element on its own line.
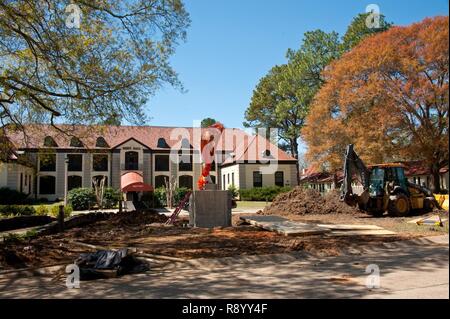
<point x="408" y="269"/>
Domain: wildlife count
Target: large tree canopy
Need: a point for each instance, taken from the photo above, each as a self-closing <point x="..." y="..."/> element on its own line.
<point x="359" y="29"/>
<point x="283" y="97"/>
<point x="104" y="70"/>
<point x="389" y="97"/>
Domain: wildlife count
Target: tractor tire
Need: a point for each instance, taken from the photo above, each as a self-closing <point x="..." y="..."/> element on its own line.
<point x="399" y="207"/>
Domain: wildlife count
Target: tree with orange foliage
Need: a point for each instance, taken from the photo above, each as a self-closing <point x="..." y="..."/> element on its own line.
<point x="389" y="97"/>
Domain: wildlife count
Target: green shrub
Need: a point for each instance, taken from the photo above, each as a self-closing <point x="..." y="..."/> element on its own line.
<point x="54" y="211"/>
<point x="81" y="198"/>
<point x="161" y="199"/>
<point x="262" y="193"/>
<point x="179" y="194"/>
<point x="233" y="190"/>
<point x="11" y="197"/>
<point x="17" y="210"/>
<point x="42" y="210"/>
<point x="111" y="198"/>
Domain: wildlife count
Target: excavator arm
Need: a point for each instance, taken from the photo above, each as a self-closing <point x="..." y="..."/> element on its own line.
<point x="354" y="165"/>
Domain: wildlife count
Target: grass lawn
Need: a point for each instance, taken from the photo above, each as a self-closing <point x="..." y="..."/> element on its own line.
<point x="251" y="204"/>
<point x="48" y="205"/>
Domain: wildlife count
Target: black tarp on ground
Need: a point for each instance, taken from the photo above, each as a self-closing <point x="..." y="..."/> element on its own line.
<point x="109" y="263"/>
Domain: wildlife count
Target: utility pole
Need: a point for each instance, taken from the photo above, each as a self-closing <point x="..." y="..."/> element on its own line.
<point x="66" y="169"/>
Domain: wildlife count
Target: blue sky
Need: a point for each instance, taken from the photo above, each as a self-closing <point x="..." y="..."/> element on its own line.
<point x="231" y="44"/>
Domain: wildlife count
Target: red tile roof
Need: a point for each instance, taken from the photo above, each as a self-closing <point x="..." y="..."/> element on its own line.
<point x="255" y="148"/>
<point x="231" y="140"/>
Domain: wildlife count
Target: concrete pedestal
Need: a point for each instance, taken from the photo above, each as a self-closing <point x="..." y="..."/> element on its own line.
<point x="210" y="208"/>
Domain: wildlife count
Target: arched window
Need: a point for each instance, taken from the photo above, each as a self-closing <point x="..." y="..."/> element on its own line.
<point x="185" y="181"/>
<point x="74" y="181"/>
<point x="75" y="142"/>
<point x="185" y="143"/>
<point x="97" y="180"/>
<point x="160" y="180"/>
<point x="131" y="161"/>
<point x="47" y="185"/>
<point x="101" y="142"/>
<point x="50" y="142"/>
<point x="162" y="143"/>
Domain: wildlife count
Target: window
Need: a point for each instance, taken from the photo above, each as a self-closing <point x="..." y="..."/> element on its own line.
<point x="21" y="182"/>
<point x="279" y="179"/>
<point x="257" y="179"/>
<point x="131" y="161"/>
<point x="49" y="142"/>
<point x="185" y="181"/>
<point x="228" y="178"/>
<point x="75" y="162"/>
<point x="47" y="162"/>
<point x="162" y="163"/>
<point x="101" y="142"/>
<point x="75" y="142"/>
<point x="162" y="143"/>
<point x="100" y="162"/>
<point x="74" y="182"/>
<point x="232" y="179"/>
<point x="97" y="180"/>
<point x="185" y="143"/>
<point x="223" y="186"/>
<point x="185" y="163"/>
<point x="47" y="185"/>
<point x="160" y="180"/>
<point x="213" y="179"/>
<point x="213" y="166"/>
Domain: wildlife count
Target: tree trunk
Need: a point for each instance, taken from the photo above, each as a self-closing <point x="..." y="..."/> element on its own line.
<point x="294" y="151"/>
<point x="335" y="180"/>
<point x="436" y="178"/>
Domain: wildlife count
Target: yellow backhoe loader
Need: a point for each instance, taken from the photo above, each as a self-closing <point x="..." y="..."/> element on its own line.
<point x="384" y="188"/>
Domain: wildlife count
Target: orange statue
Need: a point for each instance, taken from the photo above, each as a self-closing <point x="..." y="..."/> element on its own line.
<point x="207" y="138"/>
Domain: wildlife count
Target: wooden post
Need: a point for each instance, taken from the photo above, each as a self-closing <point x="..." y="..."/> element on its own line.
<point x="61" y="218"/>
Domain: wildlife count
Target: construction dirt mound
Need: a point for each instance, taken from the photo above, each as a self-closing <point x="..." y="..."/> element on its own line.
<point x="137" y="218"/>
<point x="302" y="201"/>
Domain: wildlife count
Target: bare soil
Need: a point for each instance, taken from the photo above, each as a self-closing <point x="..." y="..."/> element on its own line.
<point x="146" y="232"/>
<point x="300" y="201"/>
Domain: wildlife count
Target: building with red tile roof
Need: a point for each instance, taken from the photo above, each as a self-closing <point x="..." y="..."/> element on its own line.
<point x="62" y="157"/>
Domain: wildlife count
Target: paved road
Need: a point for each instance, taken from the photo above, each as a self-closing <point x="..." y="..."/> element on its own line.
<point x="407" y="269"/>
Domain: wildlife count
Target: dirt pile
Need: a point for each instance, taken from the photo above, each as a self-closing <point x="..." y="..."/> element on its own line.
<point x="302" y="201"/>
<point x="137" y="218"/>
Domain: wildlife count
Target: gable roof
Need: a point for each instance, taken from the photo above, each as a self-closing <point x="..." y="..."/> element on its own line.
<point x="253" y="148"/>
<point x="33" y="136"/>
